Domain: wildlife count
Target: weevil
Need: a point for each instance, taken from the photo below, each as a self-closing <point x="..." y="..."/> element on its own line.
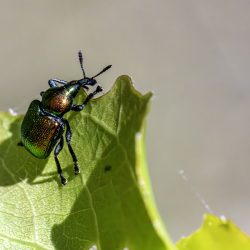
<point x="43" y="126"/>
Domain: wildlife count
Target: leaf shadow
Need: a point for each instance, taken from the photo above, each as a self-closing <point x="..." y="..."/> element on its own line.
<point x="83" y="213"/>
<point x="54" y="176"/>
<point x="16" y="164"/>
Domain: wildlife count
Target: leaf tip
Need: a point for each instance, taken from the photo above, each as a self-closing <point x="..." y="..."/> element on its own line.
<point x="125" y="80"/>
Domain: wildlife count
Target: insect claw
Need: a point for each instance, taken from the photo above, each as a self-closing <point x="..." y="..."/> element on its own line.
<point x="76" y="168"/>
<point x="99" y="89"/>
<point x="63" y="180"/>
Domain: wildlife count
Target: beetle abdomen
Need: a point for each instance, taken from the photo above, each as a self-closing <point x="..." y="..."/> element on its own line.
<point x="39" y="132"/>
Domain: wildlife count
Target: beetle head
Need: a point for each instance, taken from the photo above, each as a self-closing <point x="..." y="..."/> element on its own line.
<point x="90" y="81"/>
<point x="85" y="82"/>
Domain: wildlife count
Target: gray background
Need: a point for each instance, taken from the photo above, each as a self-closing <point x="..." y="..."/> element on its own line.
<point x="194" y="55"/>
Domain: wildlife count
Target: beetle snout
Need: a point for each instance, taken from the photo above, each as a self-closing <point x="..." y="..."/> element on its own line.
<point x="91" y="82"/>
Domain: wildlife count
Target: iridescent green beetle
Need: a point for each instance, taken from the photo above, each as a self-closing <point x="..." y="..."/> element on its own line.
<point x="43" y="126"/>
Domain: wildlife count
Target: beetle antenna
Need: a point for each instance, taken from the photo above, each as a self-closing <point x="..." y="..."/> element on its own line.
<point x="81" y="62"/>
<point x="106" y="68"/>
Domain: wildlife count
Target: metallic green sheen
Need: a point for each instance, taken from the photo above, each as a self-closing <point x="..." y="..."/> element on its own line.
<point x="40" y="132"/>
<point x="58" y="100"/>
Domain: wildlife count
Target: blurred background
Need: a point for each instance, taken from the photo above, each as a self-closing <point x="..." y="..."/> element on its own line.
<point x="194" y="55"/>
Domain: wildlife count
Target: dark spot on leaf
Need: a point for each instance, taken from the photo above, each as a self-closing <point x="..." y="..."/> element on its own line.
<point x="107" y="168"/>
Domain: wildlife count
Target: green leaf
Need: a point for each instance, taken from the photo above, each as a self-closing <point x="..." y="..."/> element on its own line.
<point x="109" y="206"/>
<point x="216" y="234"/>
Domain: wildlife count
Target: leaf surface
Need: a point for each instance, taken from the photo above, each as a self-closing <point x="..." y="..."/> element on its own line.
<point x="109" y="206"/>
<point x="216" y="234"/>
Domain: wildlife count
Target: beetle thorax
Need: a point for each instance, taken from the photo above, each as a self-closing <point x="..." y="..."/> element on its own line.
<point x="59" y="100"/>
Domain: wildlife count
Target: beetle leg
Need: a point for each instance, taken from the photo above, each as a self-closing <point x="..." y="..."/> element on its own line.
<point x="68" y="140"/>
<point x="52" y="82"/>
<point x="90" y="96"/>
<point x="57" y="150"/>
